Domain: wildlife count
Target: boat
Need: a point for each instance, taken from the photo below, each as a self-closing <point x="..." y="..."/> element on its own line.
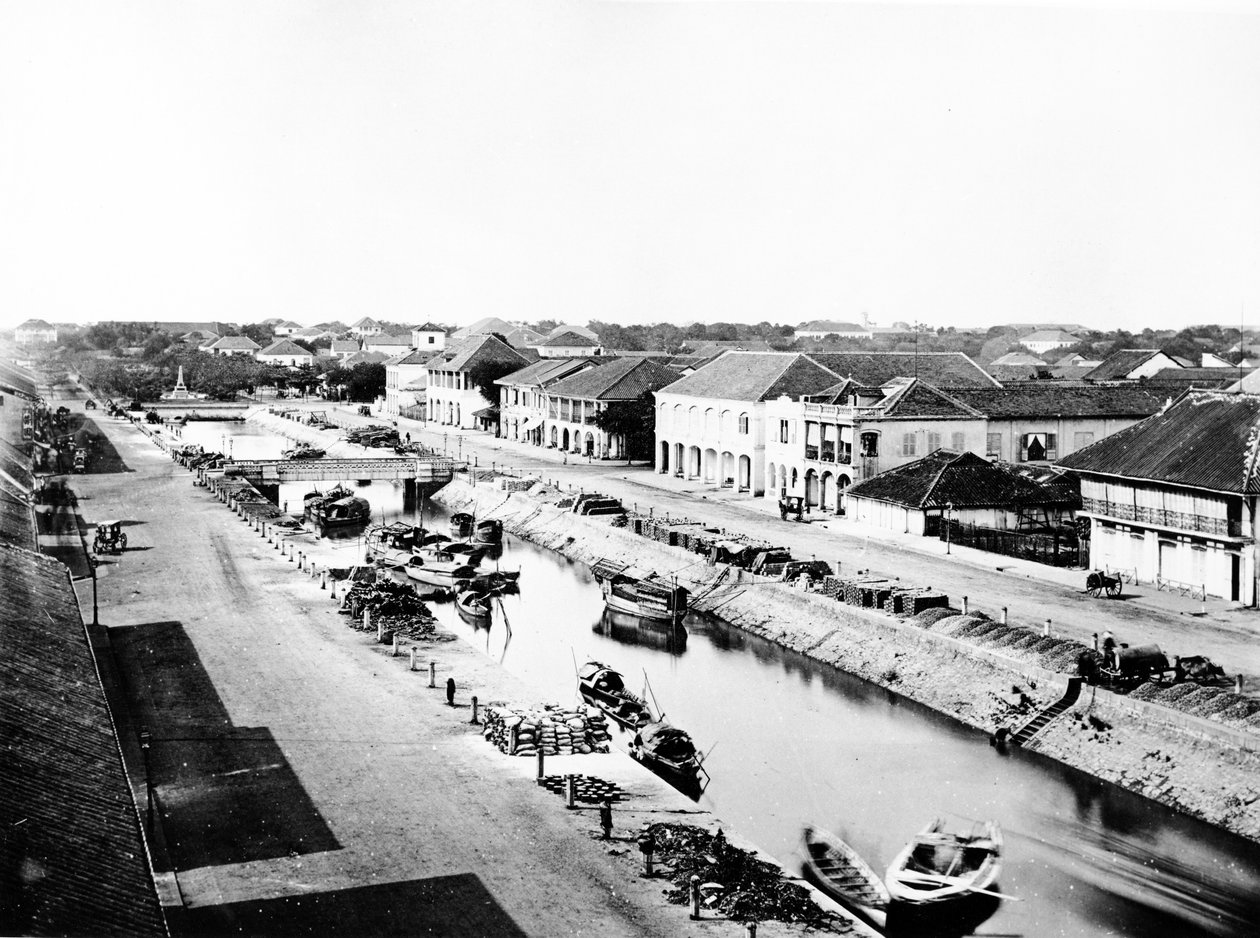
<point x="669" y="752"/>
<point x="392" y="544"/>
<point x="447" y="550"/>
<point x="337" y="508"/>
<point x="489" y="531"/>
<point x="303" y="452"/>
<point x="836" y="869"/>
<point x="602" y="687"/>
<point x="938" y="866"/>
<point x="461" y="524"/>
<point x="447" y="573"/>
<point x="473" y="603"/>
<point x="498" y="581"/>
<point x="648" y="596"/>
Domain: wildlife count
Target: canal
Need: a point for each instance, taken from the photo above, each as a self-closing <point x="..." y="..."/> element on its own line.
<point x="792" y="742"/>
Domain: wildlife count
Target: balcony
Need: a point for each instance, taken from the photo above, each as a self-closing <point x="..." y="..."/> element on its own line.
<point x="811" y="452"/>
<point x="1162" y="518"/>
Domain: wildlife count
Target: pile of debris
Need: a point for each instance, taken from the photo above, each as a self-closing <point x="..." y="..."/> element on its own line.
<point x="752" y="890"/>
<point x="373" y="435"/>
<point x="391" y="607"/>
<point x="551" y="729"/>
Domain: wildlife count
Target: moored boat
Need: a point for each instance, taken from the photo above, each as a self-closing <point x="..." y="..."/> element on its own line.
<point x="303" y="452"/>
<point x="337" y="508"/>
<point x="670" y="753"/>
<point x="447" y="573"/>
<point x="473" y="603"/>
<point x="648" y="596"/>
<point x="835" y="868"/>
<point x="938" y="866"/>
<point x="602" y="687"/>
<point x="461" y="524"/>
<point x="392" y="543"/>
<point x="488" y="531"/>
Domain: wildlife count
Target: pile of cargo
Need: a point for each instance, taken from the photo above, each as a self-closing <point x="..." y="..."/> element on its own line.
<point x="879" y="593"/>
<point x="373" y="435"/>
<point x="391" y="607"/>
<point x="551" y="729"/>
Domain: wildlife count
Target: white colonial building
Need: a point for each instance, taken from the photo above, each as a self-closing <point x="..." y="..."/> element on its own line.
<point x="284" y="352"/>
<point x="574" y="403"/>
<point x="35" y="332"/>
<point x="428" y="337"/>
<point x="523" y="397"/>
<point x="406" y="383"/>
<point x="453" y="398"/>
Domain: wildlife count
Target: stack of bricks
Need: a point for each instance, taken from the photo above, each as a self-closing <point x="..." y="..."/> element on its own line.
<point x="833" y="587"/>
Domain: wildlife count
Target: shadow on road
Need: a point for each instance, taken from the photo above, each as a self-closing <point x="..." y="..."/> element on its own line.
<point x="443" y="905"/>
<point x="103" y="457"/>
<point x="223" y="794"/>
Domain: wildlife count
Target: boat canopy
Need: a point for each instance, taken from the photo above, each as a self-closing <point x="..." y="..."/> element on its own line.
<point x="668" y="741"/>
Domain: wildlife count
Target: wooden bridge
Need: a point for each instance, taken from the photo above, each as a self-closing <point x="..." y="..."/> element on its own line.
<point x="429" y="471"/>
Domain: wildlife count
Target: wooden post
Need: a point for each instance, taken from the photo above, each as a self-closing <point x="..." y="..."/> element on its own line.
<point x="394" y="651"/>
<point x="1045" y="630"/>
<point x="323" y="580"/>
<point x="964" y="609"/>
<point x="694" y="888"/>
<point x="474" y="719"/>
<point x="570" y="791"/>
<point x="1004" y="615"/>
<point x="433" y="674"/>
<point x="413" y="657"/>
<point x="541" y="773"/>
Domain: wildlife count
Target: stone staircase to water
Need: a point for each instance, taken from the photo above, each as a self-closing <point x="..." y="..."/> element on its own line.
<point x="1043" y="718"/>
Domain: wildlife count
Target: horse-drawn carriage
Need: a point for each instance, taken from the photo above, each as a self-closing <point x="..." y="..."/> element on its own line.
<point x="1099" y="582"/>
<point x="792" y="506"/>
<point x="110" y="538"/>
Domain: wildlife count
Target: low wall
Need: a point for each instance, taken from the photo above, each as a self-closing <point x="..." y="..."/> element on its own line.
<point x="1204" y="769"/>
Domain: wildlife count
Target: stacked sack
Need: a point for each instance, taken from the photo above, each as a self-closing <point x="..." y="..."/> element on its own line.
<point x="553" y="730"/>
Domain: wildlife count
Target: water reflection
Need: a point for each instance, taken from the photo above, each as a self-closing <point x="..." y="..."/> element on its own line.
<point x="628" y="629"/>
<point x="797" y="743"/>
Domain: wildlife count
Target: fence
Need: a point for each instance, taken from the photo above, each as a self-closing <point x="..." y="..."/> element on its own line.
<point x="1057" y="549"/>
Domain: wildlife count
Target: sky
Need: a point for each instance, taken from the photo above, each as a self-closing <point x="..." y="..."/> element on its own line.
<point x="632" y="162"/>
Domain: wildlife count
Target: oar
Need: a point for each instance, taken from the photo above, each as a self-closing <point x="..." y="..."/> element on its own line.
<point x="928" y="878"/>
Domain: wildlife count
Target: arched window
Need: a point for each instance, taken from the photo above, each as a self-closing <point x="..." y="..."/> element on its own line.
<point x="710" y="421"/>
<point x="743" y="423"/>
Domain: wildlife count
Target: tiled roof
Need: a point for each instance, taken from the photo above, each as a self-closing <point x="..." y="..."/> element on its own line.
<point x="1198" y="377"/>
<point x="363" y="358"/>
<point x="1052" y="399"/>
<point x="754" y="376"/>
<point x="74" y="859"/>
<point x="917" y="399"/>
<point x="1017" y="358"/>
<point x="428" y="327"/>
<point x="1207" y="439"/>
<point x="545" y="371"/>
<point x="484" y="327"/>
<point x="1121" y="364"/>
<point x="580" y="330"/>
<point x="522" y="336"/>
<point x="619" y="379"/>
<point x="344" y="345"/>
<point x="1050" y="335"/>
<point x="964" y="480"/>
<point x="285" y="347"/>
<point x="570" y="339"/>
<point x="16" y="467"/>
<point x="829" y="325"/>
<point x="366" y="322"/>
<point x="35" y="324"/>
<point x="474" y="351"/>
<point x="416" y="357"/>
<point x="940" y="369"/>
<point x="402" y="341"/>
<point x="17" y="522"/>
<point x="236" y="342"/>
<point x="17" y="380"/>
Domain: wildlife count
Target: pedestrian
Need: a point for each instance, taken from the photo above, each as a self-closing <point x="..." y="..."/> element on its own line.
<point x="1108" y="650"/>
<point x="450" y="691"/>
<point x="408" y="439"/>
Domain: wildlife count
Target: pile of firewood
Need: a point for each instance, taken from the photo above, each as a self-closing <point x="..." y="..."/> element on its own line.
<point x="553" y="730"/>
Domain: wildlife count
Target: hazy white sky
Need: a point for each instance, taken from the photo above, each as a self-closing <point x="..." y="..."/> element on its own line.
<point x="633" y="162"/>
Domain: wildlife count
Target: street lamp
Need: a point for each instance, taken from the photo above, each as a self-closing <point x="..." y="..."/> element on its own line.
<point x="93" y="562"/>
<point x="949" y="510"/>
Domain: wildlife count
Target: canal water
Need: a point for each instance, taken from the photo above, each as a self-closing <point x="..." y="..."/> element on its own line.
<point x="792" y="742"/>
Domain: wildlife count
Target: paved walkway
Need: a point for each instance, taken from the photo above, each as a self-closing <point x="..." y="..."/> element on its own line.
<point x="304" y="781"/>
<point x="1031" y="592"/>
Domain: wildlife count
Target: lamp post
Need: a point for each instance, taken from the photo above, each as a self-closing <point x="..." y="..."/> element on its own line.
<point x="93" y="562"/>
<point x="949" y="511"/>
<point x="145" y="739"/>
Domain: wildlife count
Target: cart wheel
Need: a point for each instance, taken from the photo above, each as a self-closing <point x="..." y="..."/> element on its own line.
<point x="1094" y="591"/>
<point x="1114" y="588"/>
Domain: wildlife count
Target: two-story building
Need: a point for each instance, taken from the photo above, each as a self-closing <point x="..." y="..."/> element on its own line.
<point x="284" y="352"/>
<point x="1173" y="499"/>
<point x="523" y="397"/>
<point x="235" y="345"/>
<point x="821" y="328"/>
<point x="818" y="446"/>
<point x="406" y="384"/>
<point x="35" y="332"/>
<point x="569" y="344"/>
<point x="366" y="326"/>
<point x="454" y="399"/>
<point x="573" y="403"/>
<point x="1043" y="341"/>
<point x="710" y="425"/>
<point x="429" y="337"/>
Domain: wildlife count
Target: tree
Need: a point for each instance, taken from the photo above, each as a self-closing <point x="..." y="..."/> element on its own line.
<point x="634" y="421"/>
<point x="363" y="383"/>
<point x="483" y="377"/>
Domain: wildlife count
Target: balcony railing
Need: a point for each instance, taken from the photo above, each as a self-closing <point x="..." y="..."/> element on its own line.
<point x="829" y="452"/>
<point x="1163" y="518"/>
<point x="811" y="452"/>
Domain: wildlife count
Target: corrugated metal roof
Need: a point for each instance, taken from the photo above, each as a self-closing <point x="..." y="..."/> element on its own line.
<point x="754" y="376"/>
<point x="74" y="859"/>
<point x="964" y="480"/>
<point x="618" y="379"/>
<point x="1207" y="439"/>
<point x="942" y="369"/>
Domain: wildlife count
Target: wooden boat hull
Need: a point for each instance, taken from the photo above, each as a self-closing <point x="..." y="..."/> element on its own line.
<point x="472" y="606"/>
<point x="937" y="868"/>
<point x="439" y="575"/>
<point x="622" y="604"/>
<point x="488" y="533"/>
<point x="837" y="870"/>
<point x="604" y="688"/>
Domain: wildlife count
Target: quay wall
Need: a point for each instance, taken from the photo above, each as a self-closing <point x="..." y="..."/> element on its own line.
<point x="1196" y="766"/>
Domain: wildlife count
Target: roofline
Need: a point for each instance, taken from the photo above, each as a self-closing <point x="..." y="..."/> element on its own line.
<point x="1181" y="485"/>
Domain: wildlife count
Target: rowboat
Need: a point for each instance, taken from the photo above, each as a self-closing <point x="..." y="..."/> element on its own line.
<point x="446" y="573"/>
<point x="938" y="866"/>
<point x="473" y="604"/>
<point x="649" y="596"/>
<point x="451" y="550"/>
<point x="602" y="687"/>
<point x="489" y="531"/>
<point x="835" y="868"/>
<point x="461" y="524"/>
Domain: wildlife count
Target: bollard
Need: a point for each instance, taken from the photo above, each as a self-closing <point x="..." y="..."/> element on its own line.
<point x="300" y="559"/>
<point x="323" y="580"/>
<point x="433" y="674"/>
<point x="1095" y="641"/>
<point x="694" y="889"/>
<point x="413" y="658"/>
<point x="367" y="620"/>
<point x="394" y="651"/>
<point x="450" y="691"/>
<point x="1045" y="629"/>
<point x="605" y="818"/>
<point x="1238" y="684"/>
<point x="474" y="719"/>
<point x="964" y="609"/>
<point x="1004" y="615"/>
<point x="541" y="774"/>
<point x="333" y="587"/>
<point x="750" y="929"/>
<point x="570" y="791"/>
<point x="380" y="630"/>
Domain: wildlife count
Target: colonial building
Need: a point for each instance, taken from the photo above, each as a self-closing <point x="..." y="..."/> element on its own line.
<point x="343" y="348"/>
<point x="817" y="446"/>
<point x="821" y="328"/>
<point x="406" y="383"/>
<point x="569" y="344"/>
<point x="428" y="337"/>
<point x="366" y="326"/>
<point x="1130" y="364"/>
<point x="453" y="398"/>
<point x="285" y="352"/>
<point x="523" y="397"/>
<point x="1173" y="499"/>
<point x="389" y="344"/>
<point x="35" y="332"/>
<point x="710" y="425"/>
<point x="235" y="345"/>
<point x="574" y="402"/>
<point x="1047" y="340"/>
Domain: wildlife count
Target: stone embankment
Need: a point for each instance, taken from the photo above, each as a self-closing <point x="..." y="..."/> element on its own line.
<point x="1205" y="769"/>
